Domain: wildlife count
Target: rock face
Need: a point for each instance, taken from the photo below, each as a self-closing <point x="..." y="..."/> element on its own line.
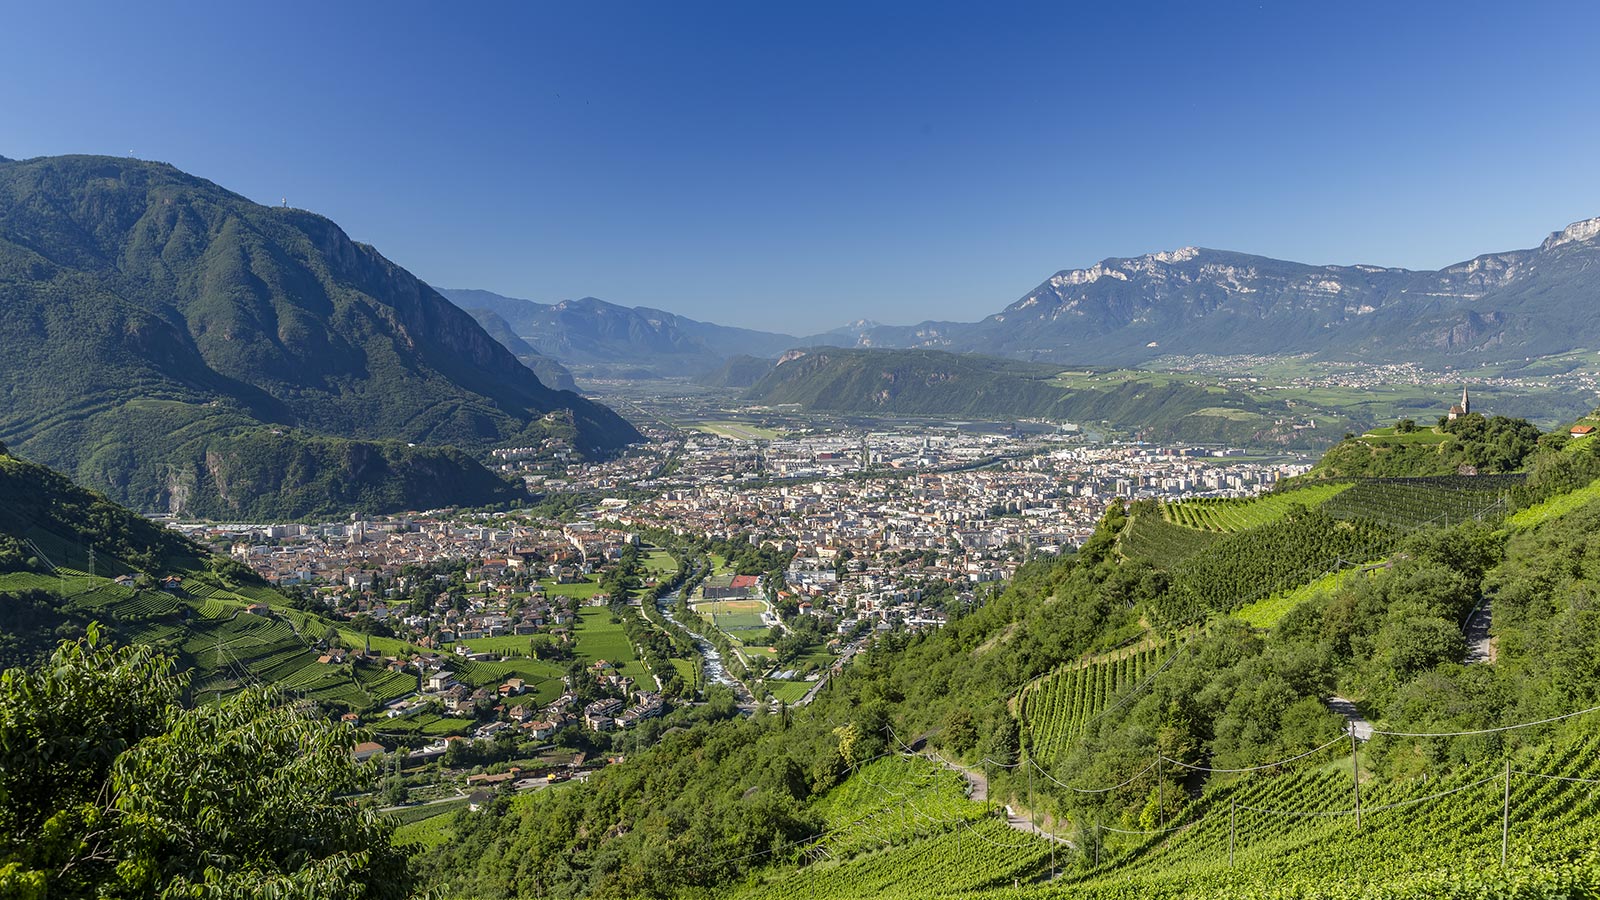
<point x="1196" y="300"/>
<point x="152" y="318"/>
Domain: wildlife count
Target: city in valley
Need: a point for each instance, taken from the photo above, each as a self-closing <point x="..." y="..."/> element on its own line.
<point x="730" y="553"/>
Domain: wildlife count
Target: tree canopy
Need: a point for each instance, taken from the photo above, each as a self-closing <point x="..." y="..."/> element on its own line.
<point x="111" y="787"/>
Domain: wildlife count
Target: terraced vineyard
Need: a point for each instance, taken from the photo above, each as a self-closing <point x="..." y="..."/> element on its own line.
<point x="1152" y="538"/>
<point x="1295" y="833"/>
<point x="901" y="827"/>
<point x="1055" y="709"/>
<point x="1238" y="514"/>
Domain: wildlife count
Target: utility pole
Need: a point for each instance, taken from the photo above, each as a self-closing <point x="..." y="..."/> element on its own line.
<point x="1161" y="793"/>
<point x="1355" y="769"/>
<point x="1505" y="817"/>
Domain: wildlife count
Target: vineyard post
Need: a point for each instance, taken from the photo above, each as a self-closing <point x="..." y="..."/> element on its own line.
<point x="1505" y="817"/>
<point x="1233" y="813"/>
<point x="1355" y="770"/>
<point x="1097" y="843"/>
<point x="1161" y="793"/>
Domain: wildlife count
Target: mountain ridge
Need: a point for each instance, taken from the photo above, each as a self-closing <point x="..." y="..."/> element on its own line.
<point x="1202" y="300"/>
<point x="155" y="316"/>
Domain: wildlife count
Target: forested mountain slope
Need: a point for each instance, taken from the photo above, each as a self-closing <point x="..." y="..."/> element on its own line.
<point x="158" y="326"/>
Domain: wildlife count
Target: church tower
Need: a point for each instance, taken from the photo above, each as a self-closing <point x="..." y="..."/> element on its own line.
<point x="1466" y="404"/>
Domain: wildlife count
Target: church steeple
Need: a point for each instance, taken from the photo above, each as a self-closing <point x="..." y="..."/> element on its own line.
<point x="1466" y="404"/>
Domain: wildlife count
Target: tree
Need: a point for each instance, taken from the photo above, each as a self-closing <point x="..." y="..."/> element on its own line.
<point x="110" y="787"/>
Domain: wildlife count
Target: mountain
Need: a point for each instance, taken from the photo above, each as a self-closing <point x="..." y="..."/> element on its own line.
<point x="551" y="373"/>
<point x="185" y="349"/>
<point x="1498" y="306"/>
<point x="936" y="383"/>
<point x="592" y="332"/>
<point x="738" y="372"/>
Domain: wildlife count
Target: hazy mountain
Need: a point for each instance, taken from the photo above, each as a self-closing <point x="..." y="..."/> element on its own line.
<point x="935" y="383"/>
<point x="551" y="373"/>
<point x="1195" y="300"/>
<point x="738" y="372"/>
<point x="596" y="333"/>
<point x="181" y="347"/>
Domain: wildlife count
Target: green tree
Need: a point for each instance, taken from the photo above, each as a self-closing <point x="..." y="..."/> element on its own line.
<point x="109" y="787"/>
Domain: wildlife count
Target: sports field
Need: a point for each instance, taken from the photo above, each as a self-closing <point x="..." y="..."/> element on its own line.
<point x="733" y="615"/>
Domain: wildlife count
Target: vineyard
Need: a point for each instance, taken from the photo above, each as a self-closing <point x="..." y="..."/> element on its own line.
<point x="1251" y="565"/>
<point x="1156" y="540"/>
<point x="1055" y="709"/>
<point x="1240" y="514"/>
<point x="1407" y="503"/>
<point x="901" y="827"/>
<point x="1295" y="831"/>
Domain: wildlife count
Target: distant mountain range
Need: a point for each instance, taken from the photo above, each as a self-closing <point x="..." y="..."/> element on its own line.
<point x="184" y="349"/>
<point x="1121" y="311"/>
<point x="616" y="339"/>
<point x="1196" y="301"/>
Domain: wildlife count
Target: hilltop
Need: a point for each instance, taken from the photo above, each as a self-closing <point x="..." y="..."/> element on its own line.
<point x="187" y="350"/>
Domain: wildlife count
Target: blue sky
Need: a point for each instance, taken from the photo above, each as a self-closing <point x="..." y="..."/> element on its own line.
<point x="796" y="165"/>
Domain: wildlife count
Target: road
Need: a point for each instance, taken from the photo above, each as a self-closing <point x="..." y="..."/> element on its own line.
<point x="1352" y="715"/>
<point x="1480" y="646"/>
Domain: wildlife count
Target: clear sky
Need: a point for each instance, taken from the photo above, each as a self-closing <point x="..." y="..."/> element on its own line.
<point x="796" y="165"/>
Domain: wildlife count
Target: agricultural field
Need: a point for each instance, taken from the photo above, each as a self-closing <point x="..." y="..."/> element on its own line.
<point x="1056" y="709"/>
<point x="543" y="678"/>
<point x="424" y="725"/>
<point x="789" y="691"/>
<point x="1266" y="613"/>
<point x="1407" y="503"/>
<point x="582" y="590"/>
<point x="1294" y="833"/>
<point x="600" y="638"/>
<point x="1229" y="515"/>
<point x="1150" y="537"/>
<point x="433" y="830"/>
<point x="659" y="563"/>
<point x="1555" y="507"/>
<point x="901" y="827"/>
<point x="505" y="644"/>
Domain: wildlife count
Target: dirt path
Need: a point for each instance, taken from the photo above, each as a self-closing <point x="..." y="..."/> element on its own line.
<point x="978" y="783"/>
<point x="1480" y="646"/>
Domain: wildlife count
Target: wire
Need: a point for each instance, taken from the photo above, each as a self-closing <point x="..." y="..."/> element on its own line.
<point x="1269" y="765"/>
<point x="1427" y="734"/>
<point x="1557" y="777"/>
<point x="1103" y="790"/>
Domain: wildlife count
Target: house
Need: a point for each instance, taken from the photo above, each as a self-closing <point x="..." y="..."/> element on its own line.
<point x="366" y="750"/>
<point x="1582" y="430"/>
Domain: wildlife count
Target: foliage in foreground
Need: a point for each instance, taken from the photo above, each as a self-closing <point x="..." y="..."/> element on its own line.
<point x="110" y="788"/>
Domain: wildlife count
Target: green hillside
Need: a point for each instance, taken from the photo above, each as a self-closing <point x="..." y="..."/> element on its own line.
<point x="69" y="557"/>
<point x="1107" y="696"/>
<point x="935" y="383"/>
<point x="159" y="328"/>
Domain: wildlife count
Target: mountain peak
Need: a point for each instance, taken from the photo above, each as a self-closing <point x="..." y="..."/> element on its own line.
<point x="1577" y="231"/>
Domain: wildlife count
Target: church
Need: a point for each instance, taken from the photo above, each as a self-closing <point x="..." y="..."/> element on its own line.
<point x="1463" y="408"/>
